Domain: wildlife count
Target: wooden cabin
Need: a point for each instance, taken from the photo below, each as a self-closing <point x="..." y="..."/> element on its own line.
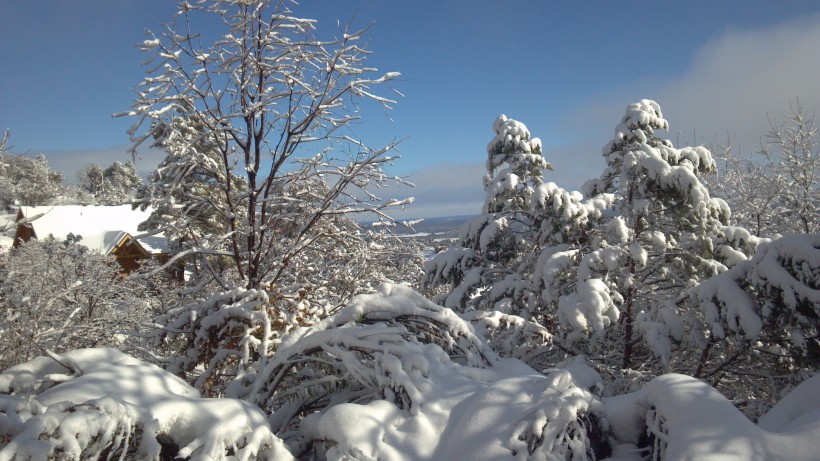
<point x="111" y="230"/>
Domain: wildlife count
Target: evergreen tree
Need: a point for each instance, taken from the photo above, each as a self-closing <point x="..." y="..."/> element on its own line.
<point x="495" y="248"/>
<point x="604" y="270"/>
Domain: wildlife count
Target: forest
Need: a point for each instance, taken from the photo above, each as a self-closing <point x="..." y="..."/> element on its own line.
<point x="669" y="310"/>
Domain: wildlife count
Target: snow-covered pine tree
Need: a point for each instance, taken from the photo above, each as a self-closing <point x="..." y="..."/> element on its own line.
<point x="191" y="194"/>
<point x="122" y="181"/>
<point x="488" y="267"/>
<point x="658" y="239"/>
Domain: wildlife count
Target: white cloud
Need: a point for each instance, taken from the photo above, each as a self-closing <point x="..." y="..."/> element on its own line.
<point x="735" y="82"/>
<point x="744" y="76"/>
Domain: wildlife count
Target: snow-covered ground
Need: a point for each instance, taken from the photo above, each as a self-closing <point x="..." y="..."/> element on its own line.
<point x="92" y="403"/>
<point x="436" y="403"/>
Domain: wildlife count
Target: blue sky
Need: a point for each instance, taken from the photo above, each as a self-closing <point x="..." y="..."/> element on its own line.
<point x="566" y="69"/>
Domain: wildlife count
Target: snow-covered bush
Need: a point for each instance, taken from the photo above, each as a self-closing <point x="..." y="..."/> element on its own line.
<point x="757" y="323"/>
<point x="100" y="403"/>
<point x="382" y="378"/>
<point x="211" y="341"/>
<point x="59" y="296"/>
<point x="378" y="347"/>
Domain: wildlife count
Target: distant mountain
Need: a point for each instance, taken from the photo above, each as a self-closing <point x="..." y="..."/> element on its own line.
<point x="444" y="226"/>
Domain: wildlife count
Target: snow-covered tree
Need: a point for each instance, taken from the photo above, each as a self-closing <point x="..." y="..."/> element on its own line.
<point x="495" y="249"/>
<point x="774" y="191"/>
<point x="114" y="185"/>
<point x="274" y="103"/>
<point x="90" y="179"/>
<point x="751" y="188"/>
<point x="792" y="146"/>
<point x="25" y="180"/>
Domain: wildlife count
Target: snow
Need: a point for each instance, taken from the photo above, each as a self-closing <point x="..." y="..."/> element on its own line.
<point x="446" y="397"/>
<point x="590" y="306"/>
<point x="695" y="421"/>
<point x="101" y="390"/>
<point x="798" y="407"/>
<point x="465" y="415"/>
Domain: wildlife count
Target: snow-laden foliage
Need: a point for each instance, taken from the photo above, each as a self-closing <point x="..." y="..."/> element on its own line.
<point x="512" y="336"/>
<point x="60" y="296"/>
<point x="760" y="319"/>
<point x="102" y="404"/>
<point x="213" y="340"/>
<point x="393" y="377"/>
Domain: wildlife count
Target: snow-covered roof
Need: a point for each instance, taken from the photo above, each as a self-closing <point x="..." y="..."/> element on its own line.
<point x="102" y="228"/>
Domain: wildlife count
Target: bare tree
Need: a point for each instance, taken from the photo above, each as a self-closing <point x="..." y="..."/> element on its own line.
<point x="792" y="146"/>
<point x="273" y="104"/>
<point x="774" y="190"/>
<point x="751" y="188"/>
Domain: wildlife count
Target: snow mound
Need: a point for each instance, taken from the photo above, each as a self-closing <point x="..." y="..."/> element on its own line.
<point x="98" y="403"/>
<point x="677" y="417"/>
<point x="798" y="406"/>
